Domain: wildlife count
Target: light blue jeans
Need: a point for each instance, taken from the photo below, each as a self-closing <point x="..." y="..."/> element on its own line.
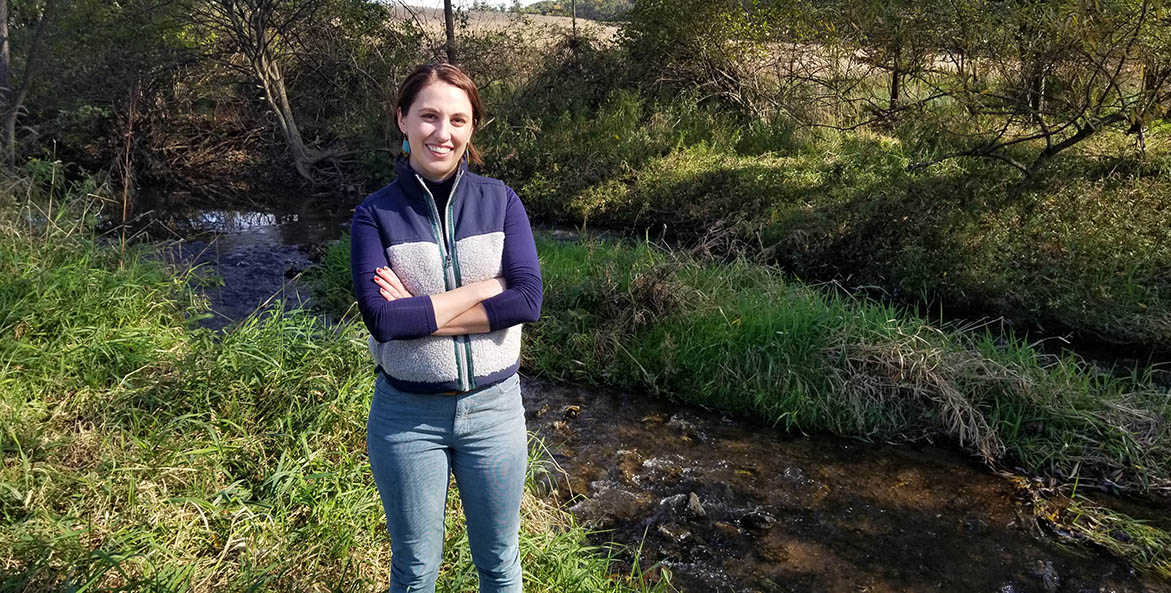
<point x="414" y="441"/>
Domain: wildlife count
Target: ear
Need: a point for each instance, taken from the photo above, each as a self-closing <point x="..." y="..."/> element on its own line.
<point x="398" y="115"/>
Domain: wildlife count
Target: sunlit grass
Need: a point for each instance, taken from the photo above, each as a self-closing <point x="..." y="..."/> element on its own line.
<point x="143" y="453"/>
<point x="1083" y="246"/>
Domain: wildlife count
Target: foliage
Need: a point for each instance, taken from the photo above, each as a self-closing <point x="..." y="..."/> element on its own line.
<point x="142" y="454"/>
<point x="773" y="124"/>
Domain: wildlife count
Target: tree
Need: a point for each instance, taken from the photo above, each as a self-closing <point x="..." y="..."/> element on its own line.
<point x="13" y="92"/>
<point x="262" y="31"/>
<point x="712" y="47"/>
<point x="1062" y="72"/>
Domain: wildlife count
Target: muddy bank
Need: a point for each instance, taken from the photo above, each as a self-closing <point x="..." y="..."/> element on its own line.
<point x="729" y="506"/>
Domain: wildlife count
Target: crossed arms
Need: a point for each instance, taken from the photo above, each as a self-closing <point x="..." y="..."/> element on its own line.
<point x="393" y="313"/>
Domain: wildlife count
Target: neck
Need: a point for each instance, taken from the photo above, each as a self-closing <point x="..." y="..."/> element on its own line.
<point x="419" y="170"/>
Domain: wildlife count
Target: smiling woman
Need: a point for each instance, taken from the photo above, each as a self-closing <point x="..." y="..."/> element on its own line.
<point x="445" y="272"/>
<point x="438" y="125"/>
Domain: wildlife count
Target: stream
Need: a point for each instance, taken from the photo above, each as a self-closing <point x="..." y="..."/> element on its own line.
<point x="722" y="503"/>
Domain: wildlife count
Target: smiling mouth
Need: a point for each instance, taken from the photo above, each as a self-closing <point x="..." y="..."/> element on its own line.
<point x="440" y="150"/>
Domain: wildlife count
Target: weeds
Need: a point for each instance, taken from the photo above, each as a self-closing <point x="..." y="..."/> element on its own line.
<point x="142" y="453"/>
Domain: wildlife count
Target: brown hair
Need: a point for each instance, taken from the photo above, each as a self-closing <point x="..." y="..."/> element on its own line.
<point x="428" y="73"/>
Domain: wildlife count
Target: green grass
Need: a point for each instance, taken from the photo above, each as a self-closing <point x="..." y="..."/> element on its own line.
<point x="743" y="337"/>
<point x="1085" y="246"/>
<point x="746" y="338"/>
<point x="141" y="453"/>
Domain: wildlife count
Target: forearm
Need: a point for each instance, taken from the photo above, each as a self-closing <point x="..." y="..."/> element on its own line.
<point x="472" y="321"/>
<point x="405" y="318"/>
<point x="521" y="303"/>
<point x="454" y="303"/>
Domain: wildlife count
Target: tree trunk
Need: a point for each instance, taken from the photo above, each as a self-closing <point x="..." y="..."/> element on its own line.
<point x="269" y="73"/>
<point x="11" y="98"/>
<point x="449" y="23"/>
<point x="1036" y="93"/>
<point x="896" y="75"/>
<point x="6" y="91"/>
<point x="5" y="57"/>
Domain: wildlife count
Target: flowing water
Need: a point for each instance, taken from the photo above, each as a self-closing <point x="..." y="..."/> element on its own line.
<point x="259" y="256"/>
<point x="728" y="505"/>
<point x="723" y="504"/>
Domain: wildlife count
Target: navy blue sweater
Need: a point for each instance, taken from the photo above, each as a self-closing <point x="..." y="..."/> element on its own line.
<point x="483" y="233"/>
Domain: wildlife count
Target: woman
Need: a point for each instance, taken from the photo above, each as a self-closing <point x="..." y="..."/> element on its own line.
<point x="445" y="270"/>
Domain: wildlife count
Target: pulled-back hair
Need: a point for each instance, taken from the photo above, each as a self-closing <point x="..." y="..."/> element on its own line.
<point x="428" y="73"/>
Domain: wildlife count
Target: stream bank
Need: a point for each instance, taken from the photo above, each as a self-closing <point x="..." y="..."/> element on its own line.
<point x="724" y="504"/>
<point x="729" y="506"/>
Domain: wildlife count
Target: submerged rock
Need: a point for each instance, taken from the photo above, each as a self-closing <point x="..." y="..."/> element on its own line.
<point x="757" y="519"/>
<point x="675" y="532"/>
<point x="694" y="507"/>
<point x="1047" y="575"/>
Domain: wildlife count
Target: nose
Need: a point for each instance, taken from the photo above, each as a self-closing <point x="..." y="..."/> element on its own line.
<point x="442" y="130"/>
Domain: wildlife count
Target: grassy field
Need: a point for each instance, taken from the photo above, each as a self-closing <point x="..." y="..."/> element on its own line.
<point x="140" y="453"/>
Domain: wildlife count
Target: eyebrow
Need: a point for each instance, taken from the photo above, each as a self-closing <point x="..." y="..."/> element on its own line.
<point x="425" y="108"/>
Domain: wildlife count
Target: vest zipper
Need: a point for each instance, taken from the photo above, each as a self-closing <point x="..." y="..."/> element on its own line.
<point x="453" y="262"/>
<point x="462" y="350"/>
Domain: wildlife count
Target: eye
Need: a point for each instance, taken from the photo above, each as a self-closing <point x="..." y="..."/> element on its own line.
<point x="459" y="121"/>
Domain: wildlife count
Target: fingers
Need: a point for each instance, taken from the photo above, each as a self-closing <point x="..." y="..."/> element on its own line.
<point x="386" y="288"/>
<point x="388" y="275"/>
<point x="389" y="285"/>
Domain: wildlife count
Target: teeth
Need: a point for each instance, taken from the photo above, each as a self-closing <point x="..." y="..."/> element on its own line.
<point x="439" y="149"/>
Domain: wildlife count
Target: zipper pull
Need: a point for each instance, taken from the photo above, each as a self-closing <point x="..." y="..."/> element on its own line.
<point x="447" y="261"/>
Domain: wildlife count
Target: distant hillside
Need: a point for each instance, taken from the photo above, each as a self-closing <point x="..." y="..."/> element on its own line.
<point x="598" y="10"/>
<point x="431" y="19"/>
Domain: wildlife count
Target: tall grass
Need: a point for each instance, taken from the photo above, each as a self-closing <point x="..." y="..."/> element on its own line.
<point x="141" y="453"/>
<point x="744" y="337"/>
<point x="1084" y="246"/>
<point x="747" y="338"/>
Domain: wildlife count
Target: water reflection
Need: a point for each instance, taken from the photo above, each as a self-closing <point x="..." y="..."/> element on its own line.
<point x="258" y="254"/>
<point x="226" y="221"/>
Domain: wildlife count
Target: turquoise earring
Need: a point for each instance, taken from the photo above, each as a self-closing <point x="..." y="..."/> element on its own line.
<point x="406" y="146"/>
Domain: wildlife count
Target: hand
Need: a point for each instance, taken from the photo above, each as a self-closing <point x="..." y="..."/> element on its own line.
<point x="389" y="286"/>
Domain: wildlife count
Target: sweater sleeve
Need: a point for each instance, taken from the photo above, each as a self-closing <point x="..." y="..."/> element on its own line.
<point x="521" y="302"/>
<point x="400" y="319"/>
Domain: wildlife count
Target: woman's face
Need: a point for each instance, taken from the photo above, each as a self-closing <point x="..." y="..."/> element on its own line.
<point x="438" y="125"/>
